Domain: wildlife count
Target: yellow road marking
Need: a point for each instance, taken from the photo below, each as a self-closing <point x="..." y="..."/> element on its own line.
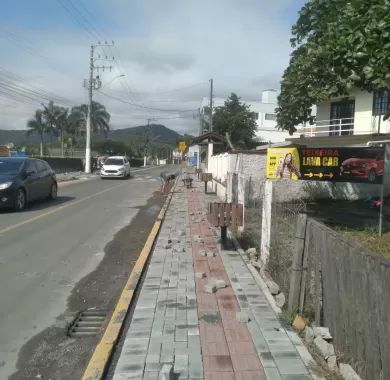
<point x="59" y="208"/>
<point x="101" y="356"/>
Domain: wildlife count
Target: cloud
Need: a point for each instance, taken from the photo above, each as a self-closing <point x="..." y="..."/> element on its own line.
<point x="163" y="46"/>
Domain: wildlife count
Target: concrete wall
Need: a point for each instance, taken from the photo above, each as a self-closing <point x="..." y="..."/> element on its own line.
<point x="63" y="165"/>
<point x="355" y="299"/>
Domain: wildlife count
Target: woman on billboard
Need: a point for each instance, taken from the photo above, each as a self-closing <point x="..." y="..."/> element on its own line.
<point x="287" y="168"/>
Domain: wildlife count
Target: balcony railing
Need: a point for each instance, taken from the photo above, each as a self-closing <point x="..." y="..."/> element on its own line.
<point x="337" y="127"/>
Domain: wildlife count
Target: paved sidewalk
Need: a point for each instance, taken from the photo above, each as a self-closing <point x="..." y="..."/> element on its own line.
<point x="183" y="324"/>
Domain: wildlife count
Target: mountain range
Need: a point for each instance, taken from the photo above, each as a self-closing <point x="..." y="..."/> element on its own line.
<point x="155" y="132"/>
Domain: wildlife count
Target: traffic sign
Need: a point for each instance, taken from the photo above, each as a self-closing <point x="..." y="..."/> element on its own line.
<point x="182" y="146"/>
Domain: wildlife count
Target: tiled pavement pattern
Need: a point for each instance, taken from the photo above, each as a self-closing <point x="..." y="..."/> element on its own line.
<point x="165" y="326"/>
<point x="227" y="348"/>
<point x="176" y="322"/>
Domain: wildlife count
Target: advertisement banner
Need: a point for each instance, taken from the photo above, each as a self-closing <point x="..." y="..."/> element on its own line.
<point x="327" y="164"/>
<point x="283" y="163"/>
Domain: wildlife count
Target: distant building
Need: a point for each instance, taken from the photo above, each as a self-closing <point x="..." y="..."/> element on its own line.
<point x="265" y="115"/>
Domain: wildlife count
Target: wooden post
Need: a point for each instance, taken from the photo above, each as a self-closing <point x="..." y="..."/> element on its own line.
<point x="317" y="283"/>
<point x="297" y="268"/>
<point x="205" y="187"/>
<point x="223" y="236"/>
<point x="305" y="262"/>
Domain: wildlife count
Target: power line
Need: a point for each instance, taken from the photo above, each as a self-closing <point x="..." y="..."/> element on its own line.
<point x="174" y="90"/>
<point x="142" y="106"/>
<point x="14" y="86"/>
<point x="72" y="14"/>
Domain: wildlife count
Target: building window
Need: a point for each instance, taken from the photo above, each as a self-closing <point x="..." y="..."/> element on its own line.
<point x="256" y="115"/>
<point x="381" y="102"/>
<point x="270" y="116"/>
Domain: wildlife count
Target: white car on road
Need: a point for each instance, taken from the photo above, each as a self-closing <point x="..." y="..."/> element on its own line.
<point x="116" y="166"/>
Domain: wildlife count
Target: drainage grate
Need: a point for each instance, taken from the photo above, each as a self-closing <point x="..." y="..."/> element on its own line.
<point x="87" y="323"/>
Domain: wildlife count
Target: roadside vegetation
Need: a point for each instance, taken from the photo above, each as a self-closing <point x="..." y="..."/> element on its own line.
<point x="370" y="239"/>
<point x="338" y="45"/>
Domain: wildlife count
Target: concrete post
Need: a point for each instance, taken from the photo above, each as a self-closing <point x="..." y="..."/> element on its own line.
<point x="241" y="200"/>
<point x="209" y="154"/>
<point x="266" y="222"/>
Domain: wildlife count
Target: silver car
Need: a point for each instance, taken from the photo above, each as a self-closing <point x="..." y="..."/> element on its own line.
<point x="114" y="167"/>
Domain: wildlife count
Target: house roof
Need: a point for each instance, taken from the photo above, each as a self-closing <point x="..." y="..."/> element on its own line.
<point x="209" y="137"/>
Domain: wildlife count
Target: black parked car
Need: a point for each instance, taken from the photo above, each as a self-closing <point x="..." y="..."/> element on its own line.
<point x="25" y="179"/>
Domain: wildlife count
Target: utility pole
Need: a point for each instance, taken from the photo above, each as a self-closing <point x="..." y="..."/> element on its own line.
<point x="200" y="123"/>
<point x="88" y="132"/>
<point x="210" y="147"/>
<point x="211" y="106"/>
<point x="93" y="84"/>
<point x="147" y="140"/>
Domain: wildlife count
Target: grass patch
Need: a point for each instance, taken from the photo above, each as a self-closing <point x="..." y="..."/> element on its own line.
<point x="251" y="237"/>
<point x="370" y="239"/>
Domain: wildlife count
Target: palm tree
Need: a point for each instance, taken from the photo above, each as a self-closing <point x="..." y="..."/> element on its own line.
<point x="62" y="125"/>
<point x="100" y="118"/>
<point x="58" y="121"/>
<point x="50" y="114"/>
<point x="37" y="125"/>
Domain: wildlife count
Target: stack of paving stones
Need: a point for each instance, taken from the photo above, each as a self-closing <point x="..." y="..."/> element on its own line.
<point x="163" y="340"/>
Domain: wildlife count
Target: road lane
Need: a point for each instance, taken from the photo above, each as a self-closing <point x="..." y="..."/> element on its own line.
<point x="46" y="250"/>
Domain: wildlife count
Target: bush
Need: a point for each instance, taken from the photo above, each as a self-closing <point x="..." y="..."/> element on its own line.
<point x="136" y="162"/>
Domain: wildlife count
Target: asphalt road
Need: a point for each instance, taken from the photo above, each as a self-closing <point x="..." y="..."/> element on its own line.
<point x="47" y="249"/>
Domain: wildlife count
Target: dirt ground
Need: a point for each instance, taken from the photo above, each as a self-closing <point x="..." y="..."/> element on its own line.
<point x="52" y="355"/>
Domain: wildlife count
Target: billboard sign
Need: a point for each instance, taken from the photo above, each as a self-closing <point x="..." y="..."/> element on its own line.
<point x="327" y="164"/>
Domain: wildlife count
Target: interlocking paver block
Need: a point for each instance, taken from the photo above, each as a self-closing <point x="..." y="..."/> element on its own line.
<point x="210" y="288"/>
<point x="220" y="284"/>
<point x="166" y="372"/>
<point x="242" y="317"/>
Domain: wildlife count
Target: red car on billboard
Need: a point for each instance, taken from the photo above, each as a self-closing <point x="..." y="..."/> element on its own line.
<point x="369" y="166"/>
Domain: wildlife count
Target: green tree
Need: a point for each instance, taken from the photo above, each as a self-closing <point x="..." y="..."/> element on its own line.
<point x="236" y="122"/>
<point x="338" y="45"/>
<point x="100" y="118"/>
<point x="37" y="125"/>
<point x="57" y="121"/>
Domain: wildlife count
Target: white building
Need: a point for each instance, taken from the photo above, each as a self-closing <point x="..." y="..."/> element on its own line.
<point x="265" y="113"/>
<point x="360" y="113"/>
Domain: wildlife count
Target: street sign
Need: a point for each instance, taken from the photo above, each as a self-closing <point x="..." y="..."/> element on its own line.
<point x="326" y="164"/>
<point x="182" y="146"/>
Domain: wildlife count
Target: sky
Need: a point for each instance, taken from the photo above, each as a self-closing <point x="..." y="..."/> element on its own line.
<point x="164" y="53"/>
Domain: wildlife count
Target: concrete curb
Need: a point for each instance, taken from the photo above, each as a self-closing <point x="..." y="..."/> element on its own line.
<point x="100" y="358"/>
